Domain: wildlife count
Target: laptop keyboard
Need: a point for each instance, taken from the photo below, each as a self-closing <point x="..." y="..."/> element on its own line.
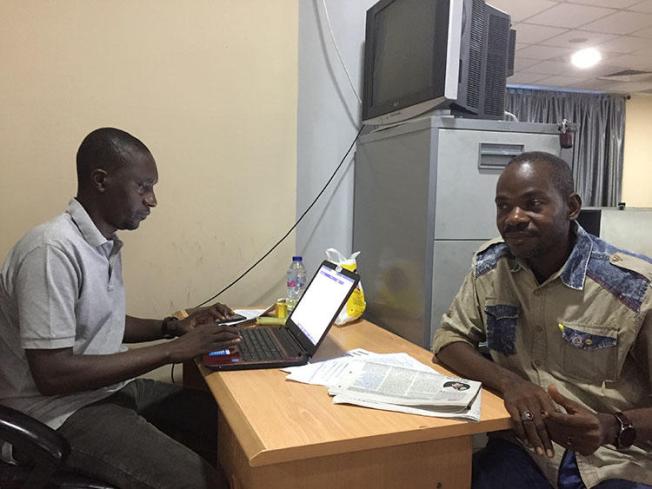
<point x="258" y="344"/>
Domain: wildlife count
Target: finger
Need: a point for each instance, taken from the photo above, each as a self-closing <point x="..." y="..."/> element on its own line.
<point x="227" y="336"/>
<point x="542" y="431"/>
<point x="569" y="405"/>
<point x="532" y="432"/>
<point x="517" y="423"/>
<point x="222" y="310"/>
<point x="229" y="328"/>
<point x="226" y="343"/>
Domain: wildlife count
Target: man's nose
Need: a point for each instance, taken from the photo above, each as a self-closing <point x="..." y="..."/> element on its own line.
<point x="516" y="216"/>
<point x="150" y="200"/>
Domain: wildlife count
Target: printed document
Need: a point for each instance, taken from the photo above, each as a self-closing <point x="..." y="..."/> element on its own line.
<point x="378" y="382"/>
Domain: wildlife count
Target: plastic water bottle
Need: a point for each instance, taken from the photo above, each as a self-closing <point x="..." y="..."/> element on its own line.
<point x="296" y="282"/>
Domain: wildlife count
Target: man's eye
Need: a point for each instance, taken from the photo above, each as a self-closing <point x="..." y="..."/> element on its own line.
<point x="535" y="204"/>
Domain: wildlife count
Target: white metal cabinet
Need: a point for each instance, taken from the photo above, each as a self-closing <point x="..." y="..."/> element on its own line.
<point x="423" y="203"/>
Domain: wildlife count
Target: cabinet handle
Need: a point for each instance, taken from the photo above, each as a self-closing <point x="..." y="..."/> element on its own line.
<point x="493" y="156"/>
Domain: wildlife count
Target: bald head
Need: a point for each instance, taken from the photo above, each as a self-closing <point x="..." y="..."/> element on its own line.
<point x="116" y="178"/>
<point x="559" y="172"/>
<point x="106" y="148"/>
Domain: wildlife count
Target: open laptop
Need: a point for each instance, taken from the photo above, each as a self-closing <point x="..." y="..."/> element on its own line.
<point x="306" y="327"/>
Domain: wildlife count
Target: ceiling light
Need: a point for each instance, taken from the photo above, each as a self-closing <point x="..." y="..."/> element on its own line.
<point x="586" y="58"/>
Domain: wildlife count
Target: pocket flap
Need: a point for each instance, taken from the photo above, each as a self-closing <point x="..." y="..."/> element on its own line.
<point x="502" y="311"/>
<point x="587" y="341"/>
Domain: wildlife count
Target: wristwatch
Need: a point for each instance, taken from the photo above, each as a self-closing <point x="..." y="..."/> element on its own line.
<point x="165" y="327"/>
<point x="626" y="432"/>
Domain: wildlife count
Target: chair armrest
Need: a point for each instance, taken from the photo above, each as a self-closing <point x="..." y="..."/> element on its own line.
<point x="32" y="438"/>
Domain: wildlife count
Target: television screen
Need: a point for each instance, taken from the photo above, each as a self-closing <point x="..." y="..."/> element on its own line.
<point x="405" y="55"/>
<point x="422" y="55"/>
<point x="398" y="71"/>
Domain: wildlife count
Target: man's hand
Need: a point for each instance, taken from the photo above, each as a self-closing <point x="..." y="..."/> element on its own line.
<point x="203" y="339"/>
<point x="203" y="315"/>
<point x="579" y="429"/>
<point x="529" y="406"/>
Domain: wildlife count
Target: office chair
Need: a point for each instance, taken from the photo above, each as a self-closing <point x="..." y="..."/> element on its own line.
<point x="44" y="451"/>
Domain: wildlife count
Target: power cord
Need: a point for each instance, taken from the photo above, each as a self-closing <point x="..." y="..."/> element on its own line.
<point x="292" y="228"/>
<point x="284" y="236"/>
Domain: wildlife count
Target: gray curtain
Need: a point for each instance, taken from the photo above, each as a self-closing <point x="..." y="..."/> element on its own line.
<point x="598" y="144"/>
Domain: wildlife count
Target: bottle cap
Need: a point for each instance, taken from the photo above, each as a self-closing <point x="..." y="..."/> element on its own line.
<point x="297" y="258"/>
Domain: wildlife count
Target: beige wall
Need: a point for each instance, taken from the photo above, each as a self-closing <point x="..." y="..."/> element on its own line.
<point x="637" y="166"/>
<point x="209" y="85"/>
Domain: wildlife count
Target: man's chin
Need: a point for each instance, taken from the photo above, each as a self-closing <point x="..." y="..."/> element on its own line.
<point x="521" y="249"/>
<point x="131" y="225"/>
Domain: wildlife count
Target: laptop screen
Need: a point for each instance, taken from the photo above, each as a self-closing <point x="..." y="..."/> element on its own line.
<point x="321" y="302"/>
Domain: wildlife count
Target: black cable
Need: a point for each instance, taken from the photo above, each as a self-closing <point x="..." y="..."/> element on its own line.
<point x="292" y="228"/>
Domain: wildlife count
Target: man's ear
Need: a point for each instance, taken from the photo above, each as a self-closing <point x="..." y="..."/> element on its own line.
<point x="574" y="206"/>
<point x="99" y="179"/>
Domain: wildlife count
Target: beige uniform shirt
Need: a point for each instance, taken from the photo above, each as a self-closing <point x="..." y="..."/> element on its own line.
<point x="587" y="329"/>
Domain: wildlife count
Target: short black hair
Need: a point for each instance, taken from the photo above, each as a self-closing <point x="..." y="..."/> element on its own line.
<point x="106" y="147"/>
<point x="560" y="171"/>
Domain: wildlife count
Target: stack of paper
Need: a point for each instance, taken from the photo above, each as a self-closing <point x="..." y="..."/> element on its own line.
<point x="393" y="382"/>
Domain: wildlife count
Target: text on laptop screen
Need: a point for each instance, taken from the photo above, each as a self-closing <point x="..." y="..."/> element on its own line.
<point x="320" y="302"/>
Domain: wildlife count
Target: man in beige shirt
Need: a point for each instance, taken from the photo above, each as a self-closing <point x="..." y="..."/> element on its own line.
<point x="568" y="323"/>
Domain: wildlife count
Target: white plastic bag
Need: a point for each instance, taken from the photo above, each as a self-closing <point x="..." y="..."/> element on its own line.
<point x="356" y="304"/>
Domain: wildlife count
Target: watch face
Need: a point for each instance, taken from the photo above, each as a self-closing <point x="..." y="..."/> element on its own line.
<point x="626" y="437"/>
<point x="627" y="433"/>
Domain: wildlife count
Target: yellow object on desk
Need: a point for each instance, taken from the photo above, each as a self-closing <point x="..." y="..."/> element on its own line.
<point x="270" y="321"/>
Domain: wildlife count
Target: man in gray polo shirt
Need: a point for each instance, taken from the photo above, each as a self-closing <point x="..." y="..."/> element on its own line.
<point x="63" y="324"/>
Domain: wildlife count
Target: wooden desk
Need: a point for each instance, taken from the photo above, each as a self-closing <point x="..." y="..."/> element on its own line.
<point x="278" y="434"/>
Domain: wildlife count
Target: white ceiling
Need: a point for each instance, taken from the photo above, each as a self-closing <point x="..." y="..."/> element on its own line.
<point x="548" y="31"/>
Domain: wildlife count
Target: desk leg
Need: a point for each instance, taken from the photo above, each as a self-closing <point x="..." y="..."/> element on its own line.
<point x="438" y="464"/>
<point x="192" y="378"/>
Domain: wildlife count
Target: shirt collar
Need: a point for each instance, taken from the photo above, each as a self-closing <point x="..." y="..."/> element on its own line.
<point x="573" y="273"/>
<point x="87" y="227"/>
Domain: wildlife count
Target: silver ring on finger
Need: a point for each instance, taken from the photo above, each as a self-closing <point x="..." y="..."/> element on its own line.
<point x="527" y="416"/>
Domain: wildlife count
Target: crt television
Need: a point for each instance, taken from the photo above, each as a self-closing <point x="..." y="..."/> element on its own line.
<point x="422" y="55"/>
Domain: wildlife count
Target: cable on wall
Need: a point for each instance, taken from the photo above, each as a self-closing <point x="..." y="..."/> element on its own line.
<point x="292" y="228"/>
<point x="337" y="50"/>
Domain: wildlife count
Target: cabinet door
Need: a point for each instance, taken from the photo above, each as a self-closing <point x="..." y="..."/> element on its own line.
<point x="465" y="192"/>
<point x="451" y="263"/>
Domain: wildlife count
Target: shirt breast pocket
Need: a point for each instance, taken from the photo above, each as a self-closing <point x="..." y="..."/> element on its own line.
<point x="590" y="353"/>
<point x="502" y="320"/>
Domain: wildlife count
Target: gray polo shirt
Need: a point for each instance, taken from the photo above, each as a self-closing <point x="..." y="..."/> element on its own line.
<point x="60" y="287"/>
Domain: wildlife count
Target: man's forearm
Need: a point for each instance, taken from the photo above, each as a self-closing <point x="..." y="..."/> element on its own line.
<point x="138" y="330"/>
<point x="59" y="372"/>
<point x="468" y="362"/>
